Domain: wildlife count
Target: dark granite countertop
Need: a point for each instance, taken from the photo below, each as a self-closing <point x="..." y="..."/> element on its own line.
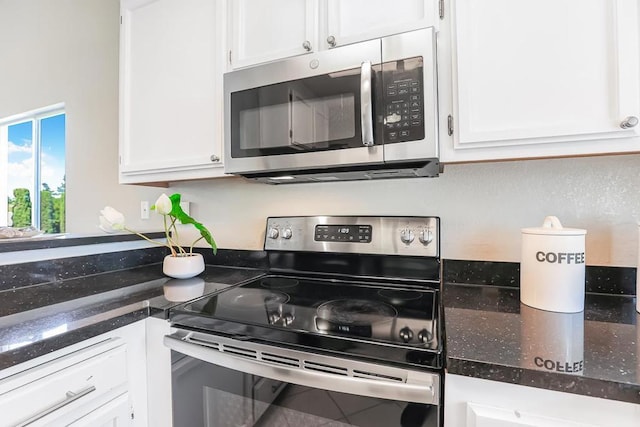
<point x="491" y="335"/>
<point x="42" y="318"/>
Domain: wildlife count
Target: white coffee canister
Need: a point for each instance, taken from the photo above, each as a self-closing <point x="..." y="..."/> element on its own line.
<point x="552" y="266"/>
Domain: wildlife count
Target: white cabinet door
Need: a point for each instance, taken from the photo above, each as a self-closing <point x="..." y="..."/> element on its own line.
<point x="532" y="77"/>
<point x="264" y="30"/>
<point x="66" y="388"/>
<point x="351" y="21"/>
<point x="171" y="60"/>
<point x="116" y="413"/>
<point x="474" y="402"/>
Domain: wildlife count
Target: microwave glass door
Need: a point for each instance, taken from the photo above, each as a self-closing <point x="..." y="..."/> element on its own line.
<point x="317" y="113"/>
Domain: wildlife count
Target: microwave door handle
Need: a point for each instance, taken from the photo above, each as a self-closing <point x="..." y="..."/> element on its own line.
<point x="366" y="108"/>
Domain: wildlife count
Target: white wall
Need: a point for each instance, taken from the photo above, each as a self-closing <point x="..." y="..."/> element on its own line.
<point x="482" y="206"/>
<point x="67" y="51"/>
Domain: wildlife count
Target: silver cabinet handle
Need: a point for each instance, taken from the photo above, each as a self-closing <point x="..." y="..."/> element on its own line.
<point x="307" y="45"/>
<point x="332" y="41"/>
<point x="215" y="158"/>
<point x="366" y="113"/>
<point x="71" y="397"/>
<point x="629" y="122"/>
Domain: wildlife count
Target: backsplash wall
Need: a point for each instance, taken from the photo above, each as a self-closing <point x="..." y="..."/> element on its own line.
<point x="483" y="206"/>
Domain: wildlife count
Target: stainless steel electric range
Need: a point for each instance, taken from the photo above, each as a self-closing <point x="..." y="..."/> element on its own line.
<point x="344" y="330"/>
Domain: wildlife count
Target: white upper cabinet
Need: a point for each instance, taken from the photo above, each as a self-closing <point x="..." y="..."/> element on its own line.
<point x="266" y="30"/>
<point x="171" y="63"/>
<point x="535" y="78"/>
<point x="351" y="21"/>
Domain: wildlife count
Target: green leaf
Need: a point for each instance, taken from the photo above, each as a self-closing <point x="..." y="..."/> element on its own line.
<point x="177" y="212"/>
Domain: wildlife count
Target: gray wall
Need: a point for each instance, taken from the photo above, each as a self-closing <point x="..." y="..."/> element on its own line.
<point x="483" y="206"/>
<point x="67" y="51"/>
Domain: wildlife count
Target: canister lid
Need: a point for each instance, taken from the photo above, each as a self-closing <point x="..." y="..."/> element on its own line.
<point x="551" y="226"/>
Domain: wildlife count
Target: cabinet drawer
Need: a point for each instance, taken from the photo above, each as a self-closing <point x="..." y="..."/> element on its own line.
<point x="76" y="383"/>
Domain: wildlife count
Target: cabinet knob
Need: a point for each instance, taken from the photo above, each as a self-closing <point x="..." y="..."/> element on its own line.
<point x="214" y="158"/>
<point x="307" y="45"/>
<point x="332" y="41"/>
<point x="629" y="122"/>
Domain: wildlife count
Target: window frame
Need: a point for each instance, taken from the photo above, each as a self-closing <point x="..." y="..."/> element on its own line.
<point x="35" y="117"/>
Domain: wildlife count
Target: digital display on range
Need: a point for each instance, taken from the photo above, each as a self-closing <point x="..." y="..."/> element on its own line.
<point x="343" y="233"/>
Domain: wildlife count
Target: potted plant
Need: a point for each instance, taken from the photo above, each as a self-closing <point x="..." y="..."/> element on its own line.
<point x="180" y="264"/>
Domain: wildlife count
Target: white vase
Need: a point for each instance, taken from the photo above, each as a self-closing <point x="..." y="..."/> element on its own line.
<point x="183" y="266"/>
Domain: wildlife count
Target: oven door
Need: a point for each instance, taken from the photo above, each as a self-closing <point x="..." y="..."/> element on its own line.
<point x="314" y="111"/>
<point x="217" y="381"/>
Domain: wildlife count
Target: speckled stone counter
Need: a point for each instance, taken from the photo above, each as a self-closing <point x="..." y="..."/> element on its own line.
<point x="491" y="335"/>
<point x="42" y="318"/>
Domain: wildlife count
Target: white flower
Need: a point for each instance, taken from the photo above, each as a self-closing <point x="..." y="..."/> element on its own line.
<point x="111" y="220"/>
<point x="163" y="205"/>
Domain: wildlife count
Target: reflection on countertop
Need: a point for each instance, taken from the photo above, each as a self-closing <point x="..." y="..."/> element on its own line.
<point x="492" y="335"/>
<point x="42" y="318"/>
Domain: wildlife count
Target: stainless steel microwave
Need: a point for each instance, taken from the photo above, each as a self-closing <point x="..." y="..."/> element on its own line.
<point x="362" y="111"/>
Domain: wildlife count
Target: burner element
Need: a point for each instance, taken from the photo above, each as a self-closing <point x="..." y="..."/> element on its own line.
<point x="355" y="311"/>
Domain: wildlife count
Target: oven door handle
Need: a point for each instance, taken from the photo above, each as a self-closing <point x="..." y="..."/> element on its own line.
<point x="419" y="387"/>
<point x="366" y="106"/>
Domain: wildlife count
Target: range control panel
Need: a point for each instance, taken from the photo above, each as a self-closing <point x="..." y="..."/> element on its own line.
<point x="388" y="235"/>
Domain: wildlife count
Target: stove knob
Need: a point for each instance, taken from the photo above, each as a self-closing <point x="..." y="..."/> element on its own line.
<point x="425" y="336"/>
<point x="406" y="334"/>
<point x="273" y="233"/>
<point x="406" y="236"/>
<point x="425" y="236"/>
<point x="286" y="233"/>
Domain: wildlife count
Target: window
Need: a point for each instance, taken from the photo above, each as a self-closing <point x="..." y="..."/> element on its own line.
<point x="32" y="170"/>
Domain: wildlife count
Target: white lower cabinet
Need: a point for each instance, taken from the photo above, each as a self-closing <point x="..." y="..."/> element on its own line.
<point x="473" y="402"/>
<point x="97" y="382"/>
<point x="66" y="389"/>
<point x="115" y="413"/>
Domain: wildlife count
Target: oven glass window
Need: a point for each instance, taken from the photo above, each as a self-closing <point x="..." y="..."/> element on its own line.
<point x="208" y="395"/>
<point x="314" y="114"/>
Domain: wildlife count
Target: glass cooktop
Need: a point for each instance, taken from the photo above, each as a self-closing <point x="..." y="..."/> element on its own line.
<point x="335" y="315"/>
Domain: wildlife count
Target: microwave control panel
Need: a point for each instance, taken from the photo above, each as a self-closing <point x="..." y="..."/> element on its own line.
<point x="403" y="100"/>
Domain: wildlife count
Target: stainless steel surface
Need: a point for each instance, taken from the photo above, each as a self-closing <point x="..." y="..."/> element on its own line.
<point x="385" y="237"/>
<point x="629" y="122"/>
<point x="307" y="45"/>
<point x="420" y="43"/>
<point x="308" y="369"/>
<point x="328" y="61"/>
<point x="70" y="398"/>
<point x="366" y="107"/>
<point x="407" y="45"/>
<point x="331" y="41"/>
